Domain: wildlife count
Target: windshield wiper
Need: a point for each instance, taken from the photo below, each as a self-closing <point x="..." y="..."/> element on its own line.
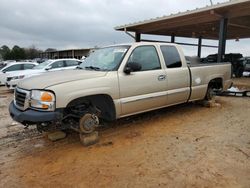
<point x="92" y="68"/>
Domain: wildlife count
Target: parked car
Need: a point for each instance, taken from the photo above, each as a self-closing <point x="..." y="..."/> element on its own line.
<point x="235" y="59"/>
<point x="115" y="82"/>
<point x="12" y="79"/>
<point x="13" y="67"/>
<point x="247" y="63"/>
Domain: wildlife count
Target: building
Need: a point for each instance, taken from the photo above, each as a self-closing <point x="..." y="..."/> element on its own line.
<point x="70" y="53"/>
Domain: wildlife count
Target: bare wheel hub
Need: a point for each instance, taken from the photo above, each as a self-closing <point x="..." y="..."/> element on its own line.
<point x="88" y="123"/>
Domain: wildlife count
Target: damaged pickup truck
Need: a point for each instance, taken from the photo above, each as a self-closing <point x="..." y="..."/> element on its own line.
<point x="115" y="82"/>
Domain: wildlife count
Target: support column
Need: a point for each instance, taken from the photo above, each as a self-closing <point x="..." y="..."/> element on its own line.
<point x="137" y="37"/>
<point x="199" y="46"/>
<point x="173" y="38"/>
<point x="222" y="38"/>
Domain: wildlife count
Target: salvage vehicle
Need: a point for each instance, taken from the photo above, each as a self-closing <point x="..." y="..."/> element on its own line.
<point x="247" y="62"/>
<point x="236" y="59"/>
<point x="115" y="82"/>
<point x="12" y="79"/>
<point x="13" y="67"/>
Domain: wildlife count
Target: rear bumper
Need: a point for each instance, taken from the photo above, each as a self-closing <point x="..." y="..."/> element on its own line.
<point x="30" y="116"/>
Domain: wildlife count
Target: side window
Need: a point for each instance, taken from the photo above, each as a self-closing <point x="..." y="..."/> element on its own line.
<point x="58" y="64"/>
<point x="28" y="66"/>
<point x="146" y="56"/>
<point x="171" y="56"/>
<point x="70" y="63"/>
<point x="13" y="68"/>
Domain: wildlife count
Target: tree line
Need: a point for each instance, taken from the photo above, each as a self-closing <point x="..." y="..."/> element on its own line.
<point x="18" y="53"/>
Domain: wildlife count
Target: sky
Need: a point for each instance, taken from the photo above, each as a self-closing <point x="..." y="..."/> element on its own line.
<point x="66" y="24"/>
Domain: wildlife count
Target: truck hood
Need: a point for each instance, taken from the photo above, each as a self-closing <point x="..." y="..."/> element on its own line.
<point x="53" y="78"/>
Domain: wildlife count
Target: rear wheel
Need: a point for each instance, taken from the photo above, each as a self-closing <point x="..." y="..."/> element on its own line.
<point x="239" y="72"/>
<point x="210" y="93"/>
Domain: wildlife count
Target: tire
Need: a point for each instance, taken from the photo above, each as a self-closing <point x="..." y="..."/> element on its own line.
<point x="239" y="72"/>
<point x="210" y="93"/>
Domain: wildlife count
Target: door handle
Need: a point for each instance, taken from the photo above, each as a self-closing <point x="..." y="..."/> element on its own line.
<point x="162" y="77"/>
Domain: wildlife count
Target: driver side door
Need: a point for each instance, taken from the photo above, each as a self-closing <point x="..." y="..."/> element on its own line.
<point x="145" y="89"/>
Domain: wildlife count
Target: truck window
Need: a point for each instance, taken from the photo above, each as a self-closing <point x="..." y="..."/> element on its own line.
<point x="171" y="56"/>
<point x="147" y="57"/>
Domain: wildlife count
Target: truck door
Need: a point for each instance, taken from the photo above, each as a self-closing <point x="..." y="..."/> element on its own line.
<point x="177" y="75"/>
<point x="145" y="89"/>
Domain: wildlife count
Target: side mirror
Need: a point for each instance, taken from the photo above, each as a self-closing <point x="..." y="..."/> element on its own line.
<point x="132" y="67"/>
<point x="48" y="68"/>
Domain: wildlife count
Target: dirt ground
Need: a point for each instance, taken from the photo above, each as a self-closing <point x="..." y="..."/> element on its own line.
<point x="183" y="146"/>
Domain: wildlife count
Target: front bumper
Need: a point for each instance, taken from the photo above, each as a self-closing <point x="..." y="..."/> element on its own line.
<point x="29" y="116"/>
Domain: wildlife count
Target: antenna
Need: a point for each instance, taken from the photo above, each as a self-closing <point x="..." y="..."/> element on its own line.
<point x="211" y="2"/>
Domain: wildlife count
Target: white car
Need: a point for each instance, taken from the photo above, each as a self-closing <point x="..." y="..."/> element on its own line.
<point x="12" y="79"/>
<point x="6" y="68"/>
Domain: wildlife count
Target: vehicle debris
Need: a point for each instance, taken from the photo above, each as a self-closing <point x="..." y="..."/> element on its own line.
<point x="234" y="91"/>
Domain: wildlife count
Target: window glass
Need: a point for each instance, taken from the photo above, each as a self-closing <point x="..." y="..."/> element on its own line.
<point x="28" y="66"/>
<point x="58" y="64"/>
<point x="171" y="56"/>
<point x="13" y="68"/>
<point x="147" y="57"/>
<point x="105" y="59"/>
<point x="42" y="65"/>
<point x="70" y="63"/>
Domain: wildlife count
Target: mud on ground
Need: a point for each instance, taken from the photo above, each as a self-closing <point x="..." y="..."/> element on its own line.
<point x="183" y="146"/>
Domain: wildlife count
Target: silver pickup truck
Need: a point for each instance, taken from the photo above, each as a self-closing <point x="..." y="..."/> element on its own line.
<point x="115" y="82"/>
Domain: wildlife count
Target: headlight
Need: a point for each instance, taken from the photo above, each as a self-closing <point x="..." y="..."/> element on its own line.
<point x="17" y="77"/>
<point x="43" y="100"/>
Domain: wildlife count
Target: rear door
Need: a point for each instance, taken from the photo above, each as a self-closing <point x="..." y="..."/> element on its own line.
<point x="28" y="66"/>
<point x="145" y="89"/>
<point x="177" y="75"/>
<point x="58" y="65"/>
<point x="71" y="64"/>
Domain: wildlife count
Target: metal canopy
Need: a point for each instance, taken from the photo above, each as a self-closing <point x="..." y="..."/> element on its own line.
<point x="203" y="22"/>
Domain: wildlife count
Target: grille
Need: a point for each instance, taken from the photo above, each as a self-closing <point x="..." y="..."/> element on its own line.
<point x="20" y="98"/>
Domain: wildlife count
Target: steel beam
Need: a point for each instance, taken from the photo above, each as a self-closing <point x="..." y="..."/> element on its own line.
<point x="222" y="38"/>
<point x="137" y="37"/>
<point x="172" y="38"/>
<point x="199" y="46"/>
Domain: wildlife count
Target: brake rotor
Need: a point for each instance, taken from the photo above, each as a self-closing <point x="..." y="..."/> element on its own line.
<point x="88" y="123"/>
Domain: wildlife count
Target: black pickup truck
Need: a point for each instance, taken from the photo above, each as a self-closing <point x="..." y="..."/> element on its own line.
<point x="236" y="59"/>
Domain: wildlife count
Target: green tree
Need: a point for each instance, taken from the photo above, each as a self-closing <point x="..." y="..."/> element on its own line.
<point x="5" y="52"/>
<point x="17" y="53"/>
<point x="32" y="52"/>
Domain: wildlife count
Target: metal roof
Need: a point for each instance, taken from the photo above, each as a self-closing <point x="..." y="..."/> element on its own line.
<point x="202" y="22"/>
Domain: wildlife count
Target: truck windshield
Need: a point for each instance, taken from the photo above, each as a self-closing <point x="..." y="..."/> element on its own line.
<point x="42" y="65"/>
<point x="105" y="59"/>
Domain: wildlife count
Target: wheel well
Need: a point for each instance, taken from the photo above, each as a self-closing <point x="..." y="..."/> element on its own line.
<point x="102" y="102"/>
<point x="216" y="83"/>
